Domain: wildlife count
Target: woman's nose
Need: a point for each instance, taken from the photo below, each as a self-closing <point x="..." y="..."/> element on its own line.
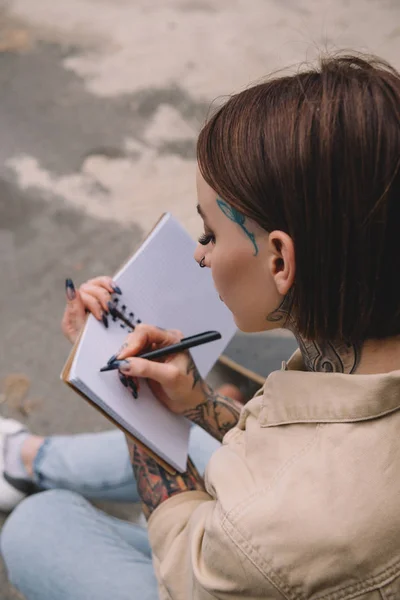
<point x="201" y="257"/>
<point x="198" y="253"/>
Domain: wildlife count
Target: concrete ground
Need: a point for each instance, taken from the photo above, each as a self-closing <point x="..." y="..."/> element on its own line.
<point x="100" y="104"/>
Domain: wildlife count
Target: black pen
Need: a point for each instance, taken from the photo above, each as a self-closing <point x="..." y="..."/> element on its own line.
<point x="185" y="344"/>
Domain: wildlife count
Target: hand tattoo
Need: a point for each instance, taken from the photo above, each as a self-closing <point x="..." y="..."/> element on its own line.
<point x="324" y="357"/>
<point x="237" y="217"/>
<point x="155" y="484"/>
<point x="191" y="368"/>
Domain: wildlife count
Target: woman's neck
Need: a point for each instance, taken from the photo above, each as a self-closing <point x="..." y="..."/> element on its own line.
<point x="373" y="356"/>
<point x="329" y="357"/>
<point x="369" y="357"/>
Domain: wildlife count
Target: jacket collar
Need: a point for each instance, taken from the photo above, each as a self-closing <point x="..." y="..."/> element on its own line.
<point x="294" y="395"/>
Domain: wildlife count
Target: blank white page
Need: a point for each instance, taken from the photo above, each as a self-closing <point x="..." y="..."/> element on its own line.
<point x="162" y="285"/>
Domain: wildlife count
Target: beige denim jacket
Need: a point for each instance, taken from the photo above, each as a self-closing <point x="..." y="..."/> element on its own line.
<point x="303" y="498"/>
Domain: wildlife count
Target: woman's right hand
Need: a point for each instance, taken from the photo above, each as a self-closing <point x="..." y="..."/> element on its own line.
<point x="174" y="380"/>
<point x="92" y="296"/>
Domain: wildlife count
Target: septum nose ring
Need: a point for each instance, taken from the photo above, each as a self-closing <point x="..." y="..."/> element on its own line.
<point x="201" y="263"/>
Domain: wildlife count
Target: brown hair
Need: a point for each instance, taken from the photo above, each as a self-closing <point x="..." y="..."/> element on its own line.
<point x="317" y="156"/>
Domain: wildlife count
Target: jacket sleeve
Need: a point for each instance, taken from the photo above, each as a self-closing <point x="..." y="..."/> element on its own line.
<point x="195" y="558"/>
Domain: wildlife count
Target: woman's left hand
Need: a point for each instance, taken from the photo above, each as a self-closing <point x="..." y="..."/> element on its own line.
<point x="92" y="296"/>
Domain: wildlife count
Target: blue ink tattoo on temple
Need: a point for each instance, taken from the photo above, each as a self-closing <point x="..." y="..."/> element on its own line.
<point x="234" y="215"/>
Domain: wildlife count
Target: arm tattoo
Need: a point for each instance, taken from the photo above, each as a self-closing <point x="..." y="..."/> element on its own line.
<point x="216" y="414"/>
<point x="324" y="357"/>
<point x="155" y="484"/>
<point x="237" y="217"/>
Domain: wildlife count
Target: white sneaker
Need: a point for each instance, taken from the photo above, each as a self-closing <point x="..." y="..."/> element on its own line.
<point x="11" y="490"/>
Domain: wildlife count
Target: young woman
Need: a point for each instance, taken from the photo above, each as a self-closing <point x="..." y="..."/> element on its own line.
<point x="299" y="192"/>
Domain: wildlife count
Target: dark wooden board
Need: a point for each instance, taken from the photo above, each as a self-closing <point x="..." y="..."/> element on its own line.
<point x="256" y="355"/>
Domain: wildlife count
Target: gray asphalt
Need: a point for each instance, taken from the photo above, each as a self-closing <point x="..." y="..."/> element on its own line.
<point x="45" y="111"/>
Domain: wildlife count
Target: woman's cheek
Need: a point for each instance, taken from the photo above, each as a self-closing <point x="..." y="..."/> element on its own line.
<point x="226" y="275"/>
<point x="220" y="272"/>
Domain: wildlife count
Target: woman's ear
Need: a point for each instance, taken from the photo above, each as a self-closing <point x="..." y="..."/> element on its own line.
<point x="282" y="263"/>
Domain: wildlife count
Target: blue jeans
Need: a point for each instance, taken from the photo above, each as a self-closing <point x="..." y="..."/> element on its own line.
<point x="56" y="545"/>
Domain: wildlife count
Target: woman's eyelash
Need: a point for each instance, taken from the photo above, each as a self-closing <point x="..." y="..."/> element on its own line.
<point x="206" y="238"/>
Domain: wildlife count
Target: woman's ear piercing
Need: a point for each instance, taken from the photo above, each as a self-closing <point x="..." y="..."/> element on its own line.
<point x="201" y="263"/>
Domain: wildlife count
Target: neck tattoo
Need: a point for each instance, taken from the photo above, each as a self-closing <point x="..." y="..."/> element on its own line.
<point x="323" y="357"/>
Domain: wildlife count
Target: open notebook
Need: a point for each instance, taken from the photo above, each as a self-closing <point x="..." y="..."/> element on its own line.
<point x="161" y="285"/>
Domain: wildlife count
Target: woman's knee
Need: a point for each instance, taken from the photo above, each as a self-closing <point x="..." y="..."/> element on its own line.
<point x="31" y="529"/>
